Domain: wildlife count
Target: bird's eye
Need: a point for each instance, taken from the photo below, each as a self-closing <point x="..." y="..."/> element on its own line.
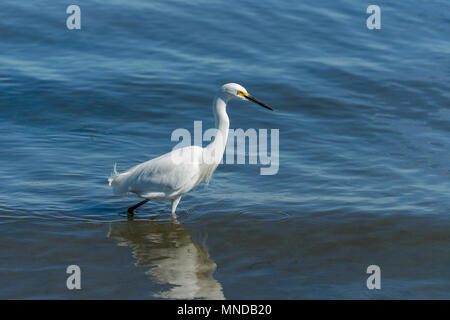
<point x="241" y="93"/>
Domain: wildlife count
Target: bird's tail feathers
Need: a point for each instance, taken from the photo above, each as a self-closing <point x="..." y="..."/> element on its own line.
<point x="118" y="181"/>
<point x="113" y="175"/>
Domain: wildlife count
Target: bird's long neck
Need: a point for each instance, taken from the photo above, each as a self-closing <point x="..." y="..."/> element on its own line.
<point x="217" y="147"/>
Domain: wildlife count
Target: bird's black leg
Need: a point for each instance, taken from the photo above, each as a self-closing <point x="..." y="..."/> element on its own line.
<point x="131" y="209"/>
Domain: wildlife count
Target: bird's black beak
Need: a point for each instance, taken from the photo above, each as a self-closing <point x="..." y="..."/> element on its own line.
<point x="262" y="104"/>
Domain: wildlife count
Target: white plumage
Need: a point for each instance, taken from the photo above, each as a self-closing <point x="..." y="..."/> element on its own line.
<point x="173" y="174"/>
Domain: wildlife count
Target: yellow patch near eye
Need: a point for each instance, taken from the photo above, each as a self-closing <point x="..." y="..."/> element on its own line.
<point x="242" y="93"/>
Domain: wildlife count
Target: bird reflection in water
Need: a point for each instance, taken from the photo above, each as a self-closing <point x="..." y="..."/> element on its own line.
<point x="174" y="259"/>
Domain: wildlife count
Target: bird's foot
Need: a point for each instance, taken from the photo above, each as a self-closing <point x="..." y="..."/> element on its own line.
<point x="130" y="210"/>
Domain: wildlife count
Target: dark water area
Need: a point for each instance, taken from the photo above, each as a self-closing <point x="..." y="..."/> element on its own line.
<point x="364" y="149"/>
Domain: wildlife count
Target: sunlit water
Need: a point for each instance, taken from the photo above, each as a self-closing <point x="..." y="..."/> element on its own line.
<point x="364" y="122"/>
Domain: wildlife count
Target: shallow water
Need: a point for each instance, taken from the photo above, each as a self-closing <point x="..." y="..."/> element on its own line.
<point x="363" y="119"/>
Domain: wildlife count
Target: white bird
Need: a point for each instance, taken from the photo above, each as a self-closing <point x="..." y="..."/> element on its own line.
<point x="173" y="174"/>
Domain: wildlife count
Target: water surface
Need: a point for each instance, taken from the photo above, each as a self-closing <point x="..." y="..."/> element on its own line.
<point x="364" y="120"/>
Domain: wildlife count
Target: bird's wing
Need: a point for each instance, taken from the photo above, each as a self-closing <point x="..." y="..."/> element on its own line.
<point x="177" y="171"/>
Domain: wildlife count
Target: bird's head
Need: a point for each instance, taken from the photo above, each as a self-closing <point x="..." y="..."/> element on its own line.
<point x="236" y="91"/>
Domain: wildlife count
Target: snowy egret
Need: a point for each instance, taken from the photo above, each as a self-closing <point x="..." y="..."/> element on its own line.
<point x="173" y="174"/>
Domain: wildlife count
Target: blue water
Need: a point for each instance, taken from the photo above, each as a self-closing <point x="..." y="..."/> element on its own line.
<point x="364" y="169"/>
